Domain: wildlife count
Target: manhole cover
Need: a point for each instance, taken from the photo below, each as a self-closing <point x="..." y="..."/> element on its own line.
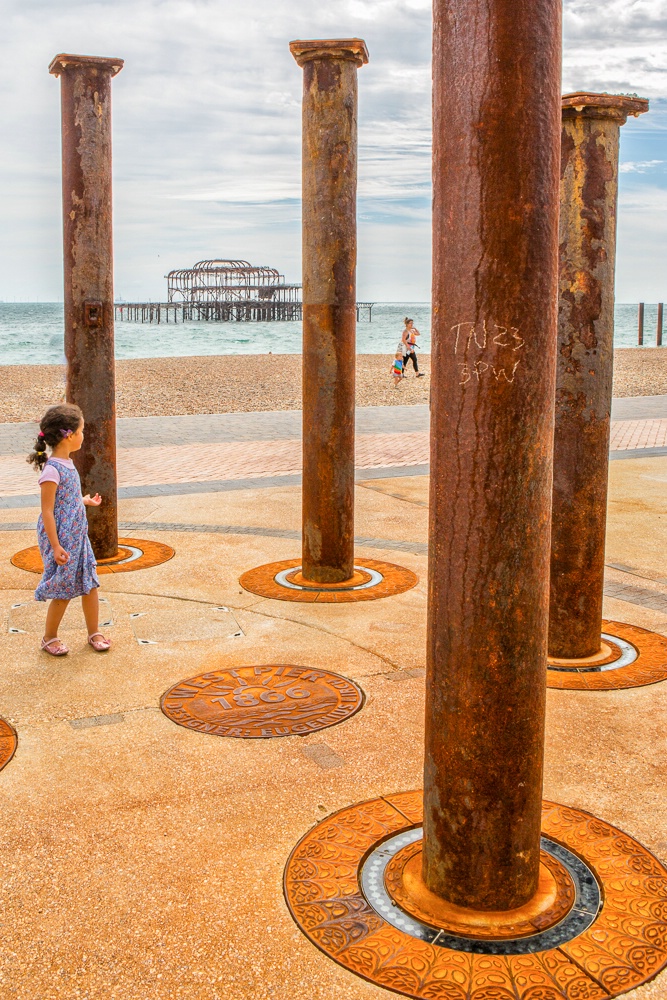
<point x="264" y="701"/>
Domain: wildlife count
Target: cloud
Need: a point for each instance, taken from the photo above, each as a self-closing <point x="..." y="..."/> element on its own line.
<point x="639" y="167"/>
<point x="207" y="129"/>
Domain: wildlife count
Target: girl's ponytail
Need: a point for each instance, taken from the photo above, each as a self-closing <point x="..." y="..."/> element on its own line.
<point x="37" y="456"/>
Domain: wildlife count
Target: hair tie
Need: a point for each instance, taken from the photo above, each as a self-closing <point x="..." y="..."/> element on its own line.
<point x="41" y="434"/>
<point x="65" y="433"/>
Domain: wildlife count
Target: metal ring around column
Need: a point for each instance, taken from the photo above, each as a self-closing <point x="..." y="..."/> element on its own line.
<point x="271" y="580"/>
<point x="642" y="661"/>
<point x="616" y="946"/>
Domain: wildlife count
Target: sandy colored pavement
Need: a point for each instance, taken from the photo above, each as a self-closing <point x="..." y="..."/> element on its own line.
<point x="225" y="384"/>
<point x="143" y="861"/>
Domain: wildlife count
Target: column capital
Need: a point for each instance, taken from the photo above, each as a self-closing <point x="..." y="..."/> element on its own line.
<point x="348" y="49"/>
<point x="615" y="106"/>
<point x="65" y="61"/>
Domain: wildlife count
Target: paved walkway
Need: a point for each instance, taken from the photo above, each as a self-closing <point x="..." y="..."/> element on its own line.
<point x="185" y="454"/>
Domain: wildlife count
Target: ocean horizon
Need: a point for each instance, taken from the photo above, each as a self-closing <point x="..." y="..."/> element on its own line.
<point x="31" y="333"/>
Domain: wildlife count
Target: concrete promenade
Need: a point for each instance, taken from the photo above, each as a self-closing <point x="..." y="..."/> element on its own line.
<point x="210" y="452"/>
<point x="141" y="860"/>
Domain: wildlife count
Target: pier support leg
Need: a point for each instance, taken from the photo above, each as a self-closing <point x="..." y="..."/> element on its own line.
<point x="495" y="260"/>
<point x="329" y="302"/>
<point x="88" y="266"/>
<point x="589" y="192"/>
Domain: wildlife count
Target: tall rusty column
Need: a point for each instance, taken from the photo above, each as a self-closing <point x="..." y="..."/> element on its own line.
<point x="329" y="302"/>
<point x="496" y="68"/>
<point x="589" y="193"/>
<point x="88" y="265"/>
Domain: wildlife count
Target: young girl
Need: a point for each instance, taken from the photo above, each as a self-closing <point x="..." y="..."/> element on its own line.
<point x="62" y="528"/>
<point x="397" y="369"/>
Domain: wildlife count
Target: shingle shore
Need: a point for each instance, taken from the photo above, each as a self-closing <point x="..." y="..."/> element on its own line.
<point x="240" y="383"/>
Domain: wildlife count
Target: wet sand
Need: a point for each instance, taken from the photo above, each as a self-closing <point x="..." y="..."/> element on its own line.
<point x="241" y="383"/>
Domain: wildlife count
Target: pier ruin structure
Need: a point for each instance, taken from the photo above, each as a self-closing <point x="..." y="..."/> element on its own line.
<point x="233" y="289"/>
<point x="224" y="290"/>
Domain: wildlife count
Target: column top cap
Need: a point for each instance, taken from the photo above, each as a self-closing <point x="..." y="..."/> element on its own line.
<point x="613" y="105"/>
<point x="65" y="61"/>
<point x="352" y="49"/>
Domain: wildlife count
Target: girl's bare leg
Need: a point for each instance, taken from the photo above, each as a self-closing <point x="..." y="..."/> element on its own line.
<point x="54" y="616"/>
<point x="91" y="610"/>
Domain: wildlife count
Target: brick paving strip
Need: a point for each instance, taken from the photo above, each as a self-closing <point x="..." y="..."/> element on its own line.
<point x="172" y="454"/>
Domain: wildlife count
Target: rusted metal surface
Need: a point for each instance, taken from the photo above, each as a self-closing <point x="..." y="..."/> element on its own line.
<point x="552" y="902"/>
<point x="594" y="952"/>
<point x="266" y="582"/>
<point x="640" y="324"/>
<point x="649" y="667"/>
<point x="589" y="192"/>
<point x="329" y="302"/>
<point x="261" y="702"/>
<point x="495" y="264"/>
<point x="131" y="554"/>
<point x="88" y="266"/>
<point x="8" y="743"/>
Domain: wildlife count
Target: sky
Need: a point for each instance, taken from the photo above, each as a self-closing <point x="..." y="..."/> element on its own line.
<point x="207" y="135"/>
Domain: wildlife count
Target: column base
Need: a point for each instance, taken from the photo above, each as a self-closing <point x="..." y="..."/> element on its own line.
<point x="371" y="580"/>
<point x="404" y="885"/>
<point x="8" y="743"/>
<point x="629" y="657"/>
<point x="597" y="930"/>
<point x="133" y="554"/>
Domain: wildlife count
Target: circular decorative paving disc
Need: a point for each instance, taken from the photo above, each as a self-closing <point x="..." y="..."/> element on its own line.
<point x="372" y="580"/>
<point x="260" y="702"/>
<point x="616" y="938"/>
<point x="133" y="553"/>
<point x="8" y="742"/>
<point x="633" y="657"/>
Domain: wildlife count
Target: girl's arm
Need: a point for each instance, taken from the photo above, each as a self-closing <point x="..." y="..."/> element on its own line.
<point x="48" y="500"/>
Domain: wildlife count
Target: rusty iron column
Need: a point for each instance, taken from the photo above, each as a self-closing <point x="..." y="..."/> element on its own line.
<point x="88" y="266"/>
<point x="495" y="268"/>
<point x="329" y="302"/>
<point x="589" y="194"/>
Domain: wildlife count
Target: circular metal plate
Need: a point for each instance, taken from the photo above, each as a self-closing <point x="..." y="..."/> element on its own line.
<point x="275" y="580"/>
<point x="642" y="660"/>
<point x="8" y="743"/>
<point x="134" y="553"/>
<point x="574" y="906"/>
<point x="615" y="948"/>
<point x="261" y="702"/>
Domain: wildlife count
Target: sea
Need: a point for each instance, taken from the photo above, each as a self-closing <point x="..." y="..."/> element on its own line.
<point x="31" y="333"/>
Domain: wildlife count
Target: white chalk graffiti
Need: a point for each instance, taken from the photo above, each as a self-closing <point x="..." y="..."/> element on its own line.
<point x="486" y="338"/>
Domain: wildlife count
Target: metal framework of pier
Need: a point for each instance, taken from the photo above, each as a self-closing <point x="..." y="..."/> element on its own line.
<point x="222" y="291"/>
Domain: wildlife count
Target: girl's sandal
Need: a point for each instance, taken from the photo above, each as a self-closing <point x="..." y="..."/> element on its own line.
<point x="99" y="645"/>
<point x="60" y="649"/>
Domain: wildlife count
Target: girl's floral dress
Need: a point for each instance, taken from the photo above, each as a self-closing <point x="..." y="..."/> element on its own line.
<point x="78" y="575"/>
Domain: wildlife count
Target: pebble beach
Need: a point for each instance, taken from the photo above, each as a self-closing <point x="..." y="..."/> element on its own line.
<point x="175" y="386"/>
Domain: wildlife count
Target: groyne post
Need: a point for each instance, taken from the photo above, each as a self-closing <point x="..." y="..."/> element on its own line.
<point x="640" y="324"/>
<point x="85" y="85"/>
<point x="591" y="126"/>
<point x="495" y="268"/>
<point x="329" y="177"/>
<point x="658" y="326"/>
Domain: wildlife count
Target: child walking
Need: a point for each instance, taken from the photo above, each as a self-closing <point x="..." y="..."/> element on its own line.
<point x="397" y="369"/>
<point x="62" y="529"/>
